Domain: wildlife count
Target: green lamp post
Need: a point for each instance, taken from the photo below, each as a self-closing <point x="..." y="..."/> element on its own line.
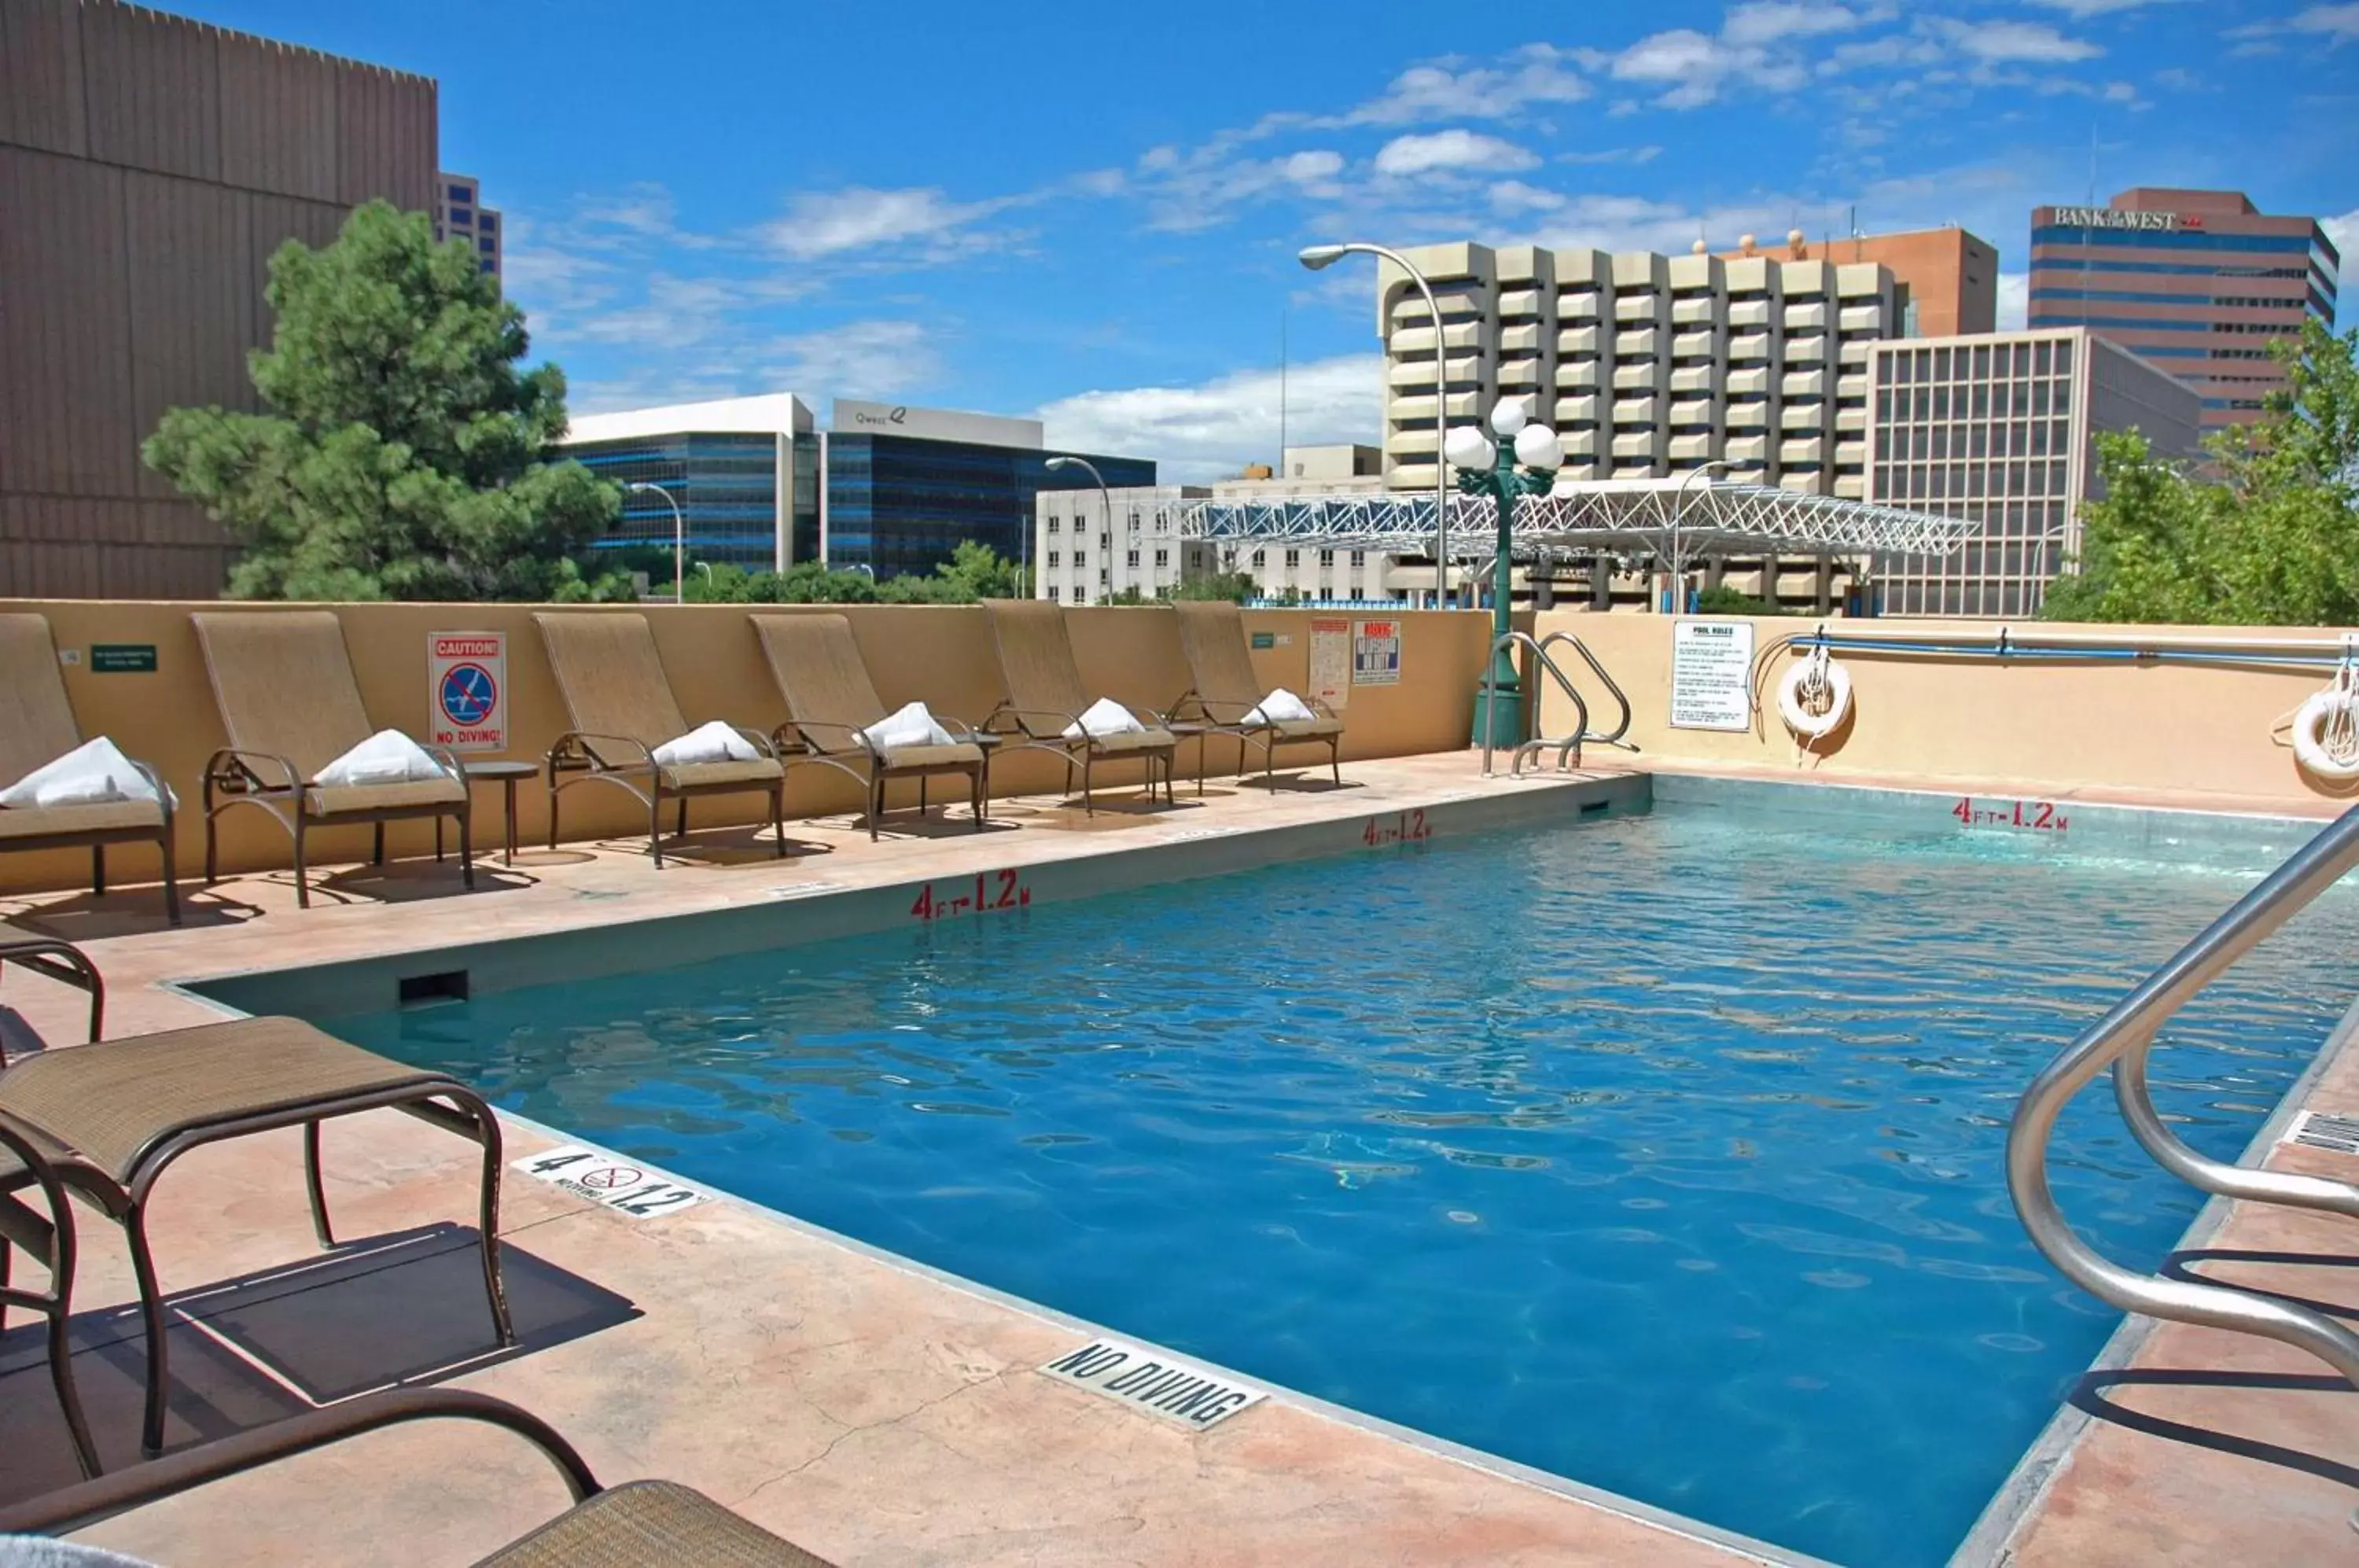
<point x="1523" y="462"/>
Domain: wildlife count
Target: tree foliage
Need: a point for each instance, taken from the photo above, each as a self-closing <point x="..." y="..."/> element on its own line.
<point x="1234" y="586"/>
<point x="2265" y="533"/>
<point x="975" y="572"/>
<point x="403" y="452"/>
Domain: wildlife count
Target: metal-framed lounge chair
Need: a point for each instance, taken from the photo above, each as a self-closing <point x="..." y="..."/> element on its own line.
<point x="1223" y="690"/>
<point x="108" y="1119"/>
<point x="291" y="706"/>
<point x="831" y="700"/>
<point x="640" y="1524"/>
<point x="622" y="708"/>
<point x="36" y="727"/>
<point x="1046" y="697"/>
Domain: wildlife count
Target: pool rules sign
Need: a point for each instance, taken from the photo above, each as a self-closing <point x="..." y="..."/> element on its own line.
<point x="467" y="689"/>
<point x="1712" y="675"/>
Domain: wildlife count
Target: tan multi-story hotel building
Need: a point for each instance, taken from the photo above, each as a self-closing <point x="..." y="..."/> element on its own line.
<point x="2197" y="282"/>
<point x="1647" y="364"/>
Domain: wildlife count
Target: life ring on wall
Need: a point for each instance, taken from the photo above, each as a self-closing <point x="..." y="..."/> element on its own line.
<point x="1816" y="679"/>
<point x="2326" y="732"/>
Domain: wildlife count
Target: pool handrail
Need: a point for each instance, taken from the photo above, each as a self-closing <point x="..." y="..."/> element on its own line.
<point x="2120" y="1040"/>
<point x="1613" y="736"/>
<point x="1567" y="748"/>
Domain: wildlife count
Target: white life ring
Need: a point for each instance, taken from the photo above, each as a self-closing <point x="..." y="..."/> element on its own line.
<point x="1814" y="675"/>
<point x="2311" y="724"/>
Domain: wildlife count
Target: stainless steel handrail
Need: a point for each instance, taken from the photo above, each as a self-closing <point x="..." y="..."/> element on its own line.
<point x="1500" y="645"/>
<point x="1614" y="737"/>
<point x="2120" y="1040"/>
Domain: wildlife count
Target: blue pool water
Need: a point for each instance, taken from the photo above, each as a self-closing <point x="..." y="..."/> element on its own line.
<point x="1663" y="1153"/>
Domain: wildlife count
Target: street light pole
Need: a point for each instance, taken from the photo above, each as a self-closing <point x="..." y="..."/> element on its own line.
<point x="678" y="538"/>
<point x="1105" y="495"/>
<point x="1318" y="256"/>
<point x="1523" y="462"/>
<point x="1679" y="512"/>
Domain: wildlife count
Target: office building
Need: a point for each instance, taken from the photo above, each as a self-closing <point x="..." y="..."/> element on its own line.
<point x="1944" y="280"/>
<point x="149" y="166"/>
<point x="744" y="471"/>
<point x="2198" y="281"/>
<point x="460" y="213"/>
<point x="1080" y="558"/>
<point x="890" y="489"/>
<point x="907" y="485"/>
<point x="1999" y="427"/>
<point x="1647" y="364"/>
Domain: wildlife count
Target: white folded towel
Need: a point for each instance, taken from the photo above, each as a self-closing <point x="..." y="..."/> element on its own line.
<point x="1104" y="717"/>
<point x="90" y="774"/>
<point x="387" y="757"/>
<point x="1280" y="707"/>
<point x="913" y="724"/>
<point x="715" y="742"/>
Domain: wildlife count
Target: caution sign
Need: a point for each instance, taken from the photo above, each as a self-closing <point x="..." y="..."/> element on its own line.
<point x="1375" y="653"/>
<point x="467" y="689"/>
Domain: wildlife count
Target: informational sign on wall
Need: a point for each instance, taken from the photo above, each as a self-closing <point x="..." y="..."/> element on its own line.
<point x="467" y="689"/>
<point x="1375" y="653"/>
<point x="1331" y="660"/>
<point x="1712" y="675"/>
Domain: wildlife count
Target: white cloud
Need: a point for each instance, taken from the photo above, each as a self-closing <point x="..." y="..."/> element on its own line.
<point x="1451" y="149"/>
<point x="1306" y="168"/>
<point x="1454" y="90"/>
<point x="2003" y="42"/>
<point x="1759" y="44"/>
<point x="1205" y="431"/>
<point x="2079" y="9"/>
<point x="887" y="359"/>
<point x="823" y="224"/>
<point x="2013" y="301"/>
<point x="2338" y="24"/>
<point x="1768" y="21"/>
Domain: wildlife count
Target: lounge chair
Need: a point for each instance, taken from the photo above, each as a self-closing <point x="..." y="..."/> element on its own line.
<point x="622" y="708"/>
<point x="830" y="702"/>
<point x="291" y="706"/>
<point x="1223" y="691"/>
<point x="36" y="727"/>
<point x="1046" y="698"/>
<point x="641" y="1524"/>
<point x="106" y="1119"/>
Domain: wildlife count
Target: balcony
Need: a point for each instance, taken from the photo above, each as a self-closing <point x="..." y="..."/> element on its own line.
<point x="1412" y="407"/>
<point x="1753" y="450"/>
<point x="1803" y="416"/>
<point x="1692" y="345"/>
<point x="1581" y="443"/>
<point x="1855" y="354"/>
<point x="1802" y="449"/>
<point x="1861" y="319"/>
<point x="1419" y="340"/>
<point x="1640" y="306"/>
<point x="1637" y="408"/>
<point x="1849" y="486"/>
<point x="1514" y="302"/>
<point x="1581" y="340"/>
<point x="1803" y="384"/>
<point x="1519" y="375"/>
<point x="1633" y="342"/>
<point x="1851" y="420"/>
<point x="1810" y="315"/>
<point x="1691" y="449"/>
<point x="1410" y="440"/>
<point x="1695" y="378"/>
<point x="1747" y="313"/>
<point x="1703" y="312"/>
<point x="1646" y="374"/>
<point x="1643" y="445"/>
<point x="1579" y="410"/>
<point x="1749" y="346"/>
<point x="1751" y="383"/>
<point x="1524" y="337"/>
<point x="1691" y="411"/>
<point x="1578" y="304"/>
<point x="1580" y="376"/>
<point x="1806" y="351"/>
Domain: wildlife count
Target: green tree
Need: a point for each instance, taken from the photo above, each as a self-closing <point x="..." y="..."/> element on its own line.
<point x="1234" y="586"/>
<point x="403" y="453"/>
<point x="2267" y="533"/>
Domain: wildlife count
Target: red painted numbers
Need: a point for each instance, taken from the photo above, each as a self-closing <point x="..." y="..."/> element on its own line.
<point x="1401" y="827"/>
<point x="988" y="893"/>
<point x="2014" y="816"/>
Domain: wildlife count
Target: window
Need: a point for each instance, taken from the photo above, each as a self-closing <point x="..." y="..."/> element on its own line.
<point x="1131" y="560"/>
<point x="1054" y="525"/>
<point x="487" y="222"/>
<point x="1052" y="592"/>
<point x="1326" y="558"/>
<point x="462" y="192"/>
<point x="1081" y="558"/>
<point x="1293" y="557"/>
<point x="1162" y="557"/>
<point x="483" y="265"/>
<point x="487" y="246"/>
<point x="463" y="217"/>
<point x="1359" y="558"/>
<point x="1134" y="522"/>
<point x="1054" y="558"/>
<point x="1260" y="559"/>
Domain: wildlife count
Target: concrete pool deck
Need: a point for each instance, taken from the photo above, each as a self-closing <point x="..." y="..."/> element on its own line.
<point x="876" y="1412"/>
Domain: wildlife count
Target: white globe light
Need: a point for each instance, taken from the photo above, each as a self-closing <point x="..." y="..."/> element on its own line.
<point x="1468" y="447"/>
<point x="1537" y="446"/>
<point x="1508" y="417"/>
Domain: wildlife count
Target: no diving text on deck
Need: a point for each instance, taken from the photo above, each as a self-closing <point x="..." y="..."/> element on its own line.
<point x="1155" y="1381"/>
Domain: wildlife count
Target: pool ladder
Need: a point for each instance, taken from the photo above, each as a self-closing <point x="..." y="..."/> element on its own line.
<point x="2120" y="1040"/>
<point x="1567" y="747"/>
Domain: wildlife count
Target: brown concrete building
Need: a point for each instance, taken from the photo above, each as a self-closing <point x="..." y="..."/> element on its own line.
<point x="2196" y="281"/>
<point x="149" y="166"/>
<point x="1946" y="279"/>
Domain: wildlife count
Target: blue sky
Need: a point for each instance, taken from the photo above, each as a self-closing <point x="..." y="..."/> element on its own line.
<point x="1092" y="213"/>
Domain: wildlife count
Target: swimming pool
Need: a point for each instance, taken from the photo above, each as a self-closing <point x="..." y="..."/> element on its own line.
<point x="1662" y="1152"/>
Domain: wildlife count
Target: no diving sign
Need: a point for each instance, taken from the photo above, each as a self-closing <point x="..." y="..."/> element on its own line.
<point x="1155" y="1381"/>
<point x="467" y="689"/>
<point x="609" y="1179"/>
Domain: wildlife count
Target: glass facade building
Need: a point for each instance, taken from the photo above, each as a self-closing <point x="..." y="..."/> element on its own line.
<point x="726" y="483"/>
<point x="897" y="503"/>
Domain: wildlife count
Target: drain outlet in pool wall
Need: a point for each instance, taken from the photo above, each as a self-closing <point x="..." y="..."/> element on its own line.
<point x="425" y="990"/>
<point x="1155" y="1381"/>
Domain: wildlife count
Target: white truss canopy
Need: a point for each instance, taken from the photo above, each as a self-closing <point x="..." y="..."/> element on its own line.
<point x="1619" y="515"/>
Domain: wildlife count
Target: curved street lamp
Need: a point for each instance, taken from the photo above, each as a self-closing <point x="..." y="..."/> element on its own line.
<point x="1058" y="464"/>
<point x="1522" y="461"/>
<point x="678" y="538"/>
<point x="1318" y="256"/>
<point x="1679" y="512"/>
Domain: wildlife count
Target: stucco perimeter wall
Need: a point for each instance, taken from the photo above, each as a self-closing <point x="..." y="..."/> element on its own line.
<point x="2180" y="728"/>
<point x="942" y="656"/>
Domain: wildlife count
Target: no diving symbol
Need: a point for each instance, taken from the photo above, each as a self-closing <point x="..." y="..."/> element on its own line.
<point x="607" y="1178"/>
<point x="468" y="694"/>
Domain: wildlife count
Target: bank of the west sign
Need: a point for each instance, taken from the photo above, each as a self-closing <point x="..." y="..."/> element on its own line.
<point x="2111" y="218"/>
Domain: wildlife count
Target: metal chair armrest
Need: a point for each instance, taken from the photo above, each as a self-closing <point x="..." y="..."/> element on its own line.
<point x="761" y="743"/>
<point x="242" y="776"/>
<point x="450" y="760"/>
<point x="65" y="963"/>
<point x="155" y="782"/>
<point x="73" y="1507"/>
<point x="573" y="743"/>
